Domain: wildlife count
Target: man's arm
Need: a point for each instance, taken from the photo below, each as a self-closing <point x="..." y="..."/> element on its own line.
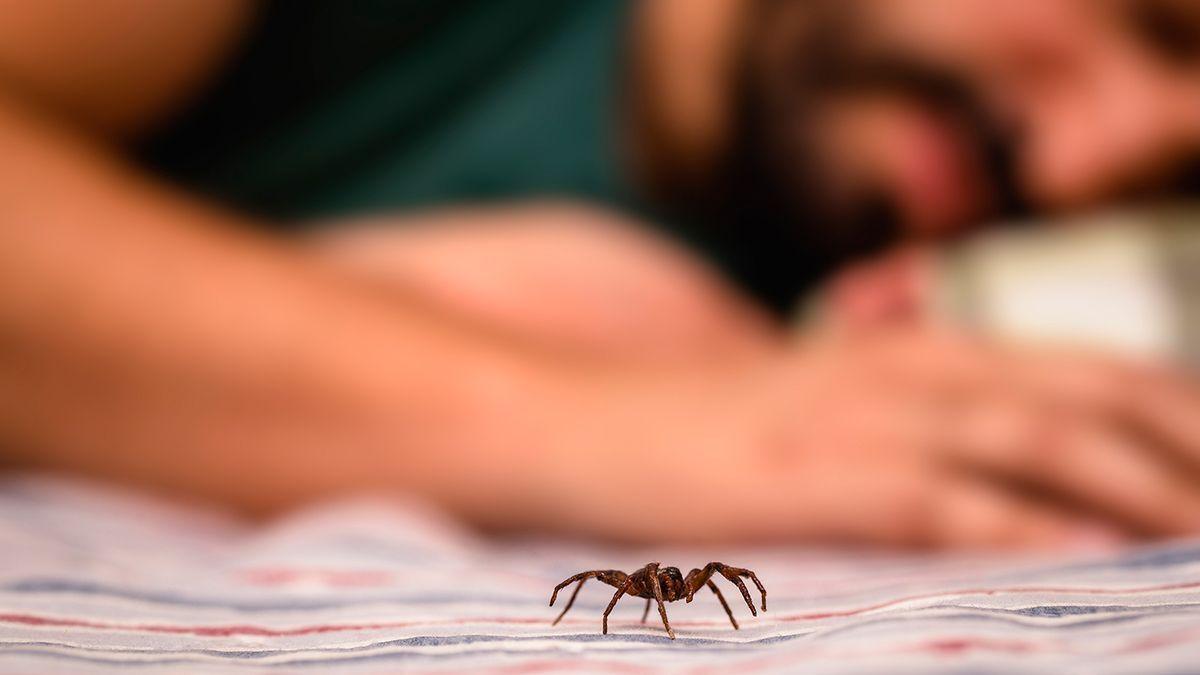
<point x="150" y="338"/>
<point x="564" y="277"/>
<point x="115" y="67"/>
<point x="146" y="337"/>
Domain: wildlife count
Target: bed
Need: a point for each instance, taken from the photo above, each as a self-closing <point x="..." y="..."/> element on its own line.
<point x="93" y="579"/>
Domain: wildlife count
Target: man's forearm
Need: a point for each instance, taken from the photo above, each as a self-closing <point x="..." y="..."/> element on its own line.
<point x="570" y="277"/>
<point x="149" y="338"/>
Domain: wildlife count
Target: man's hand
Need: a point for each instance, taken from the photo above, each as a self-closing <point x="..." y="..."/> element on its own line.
<point x="905" y="438"/>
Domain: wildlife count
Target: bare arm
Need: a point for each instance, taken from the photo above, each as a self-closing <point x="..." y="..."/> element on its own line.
<point x="565" y="277"/>
<point x="115" y="67"/>
<point x="145" y="338"/>
<point x="153" y="339"/>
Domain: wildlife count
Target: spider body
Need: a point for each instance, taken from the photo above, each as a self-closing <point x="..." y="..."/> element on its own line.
<point x="670" y="582"/>
<point x="662" y="585"/>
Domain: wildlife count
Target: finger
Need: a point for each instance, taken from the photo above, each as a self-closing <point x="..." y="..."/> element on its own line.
<point x="1078" y="459"/>
<point x="1155" y="401"/>
<point x="976" y="514"/>
<point x="954" y="362"/>
<point x="1166" y="407"/>
<point x="1160" y="405"/>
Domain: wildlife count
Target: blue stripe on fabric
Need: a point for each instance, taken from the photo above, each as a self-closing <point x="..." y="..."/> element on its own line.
<point x="1158" y="557"/>
<point x="423" y="641"/>
<point x="344" y="657"/>
<point x="51" y="586"/>
<point x="975" y="615"/>
<point x="1077" y="610"/>
<point x="985" y="615"/>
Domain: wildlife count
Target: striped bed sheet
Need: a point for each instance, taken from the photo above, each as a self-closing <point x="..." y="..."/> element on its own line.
<point x="97" y="580"/>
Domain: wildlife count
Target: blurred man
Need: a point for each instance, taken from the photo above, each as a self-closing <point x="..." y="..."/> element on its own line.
<point x="552" y="366"/>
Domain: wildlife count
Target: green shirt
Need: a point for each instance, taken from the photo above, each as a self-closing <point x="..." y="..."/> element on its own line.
<point x="338" y="107"/>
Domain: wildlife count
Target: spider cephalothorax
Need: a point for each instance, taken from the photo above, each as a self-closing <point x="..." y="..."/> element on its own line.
<point x="664" y="584"/>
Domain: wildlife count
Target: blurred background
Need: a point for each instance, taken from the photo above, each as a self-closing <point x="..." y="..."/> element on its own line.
<point x="784" y="141"/>
<point x="479" y="246"/>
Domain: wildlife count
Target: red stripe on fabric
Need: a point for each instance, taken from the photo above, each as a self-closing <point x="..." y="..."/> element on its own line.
<point x="227" y="631"/>
<point x="963" y="645"/>
<point x="242" y="629"/>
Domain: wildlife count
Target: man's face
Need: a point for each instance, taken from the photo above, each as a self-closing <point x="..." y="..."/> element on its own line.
<point x="933" y="115"/>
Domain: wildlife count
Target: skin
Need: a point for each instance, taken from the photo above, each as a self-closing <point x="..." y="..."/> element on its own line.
<point x="1104" y="113"/>
<point x="153" y="339"/>
<point x="1099" y="110"/>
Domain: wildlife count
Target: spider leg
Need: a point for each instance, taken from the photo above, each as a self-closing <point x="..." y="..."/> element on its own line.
<point x="613" y="603"/>
<point x="756" y="583"/>
<point x="582" y="576"/>
<point x="647" y="612"/>
<point x="697" y="578"/>
<point x="569" y="602"/>
<point x="745" y="593"/>
<point x="652" y="572"/>
<point x="613" y="578"/>
<point x="693" y="581"/>
<point x="714" y="589"/>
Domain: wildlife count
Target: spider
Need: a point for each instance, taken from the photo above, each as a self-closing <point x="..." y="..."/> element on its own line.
<point x="663" y="585"/>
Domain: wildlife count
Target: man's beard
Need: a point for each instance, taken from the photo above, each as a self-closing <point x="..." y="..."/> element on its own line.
<point x="767" y="207"/>
<point x="772" y="210"/>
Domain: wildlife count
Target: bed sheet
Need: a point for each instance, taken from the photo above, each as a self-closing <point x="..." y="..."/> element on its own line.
<point x="98" y="580"/>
